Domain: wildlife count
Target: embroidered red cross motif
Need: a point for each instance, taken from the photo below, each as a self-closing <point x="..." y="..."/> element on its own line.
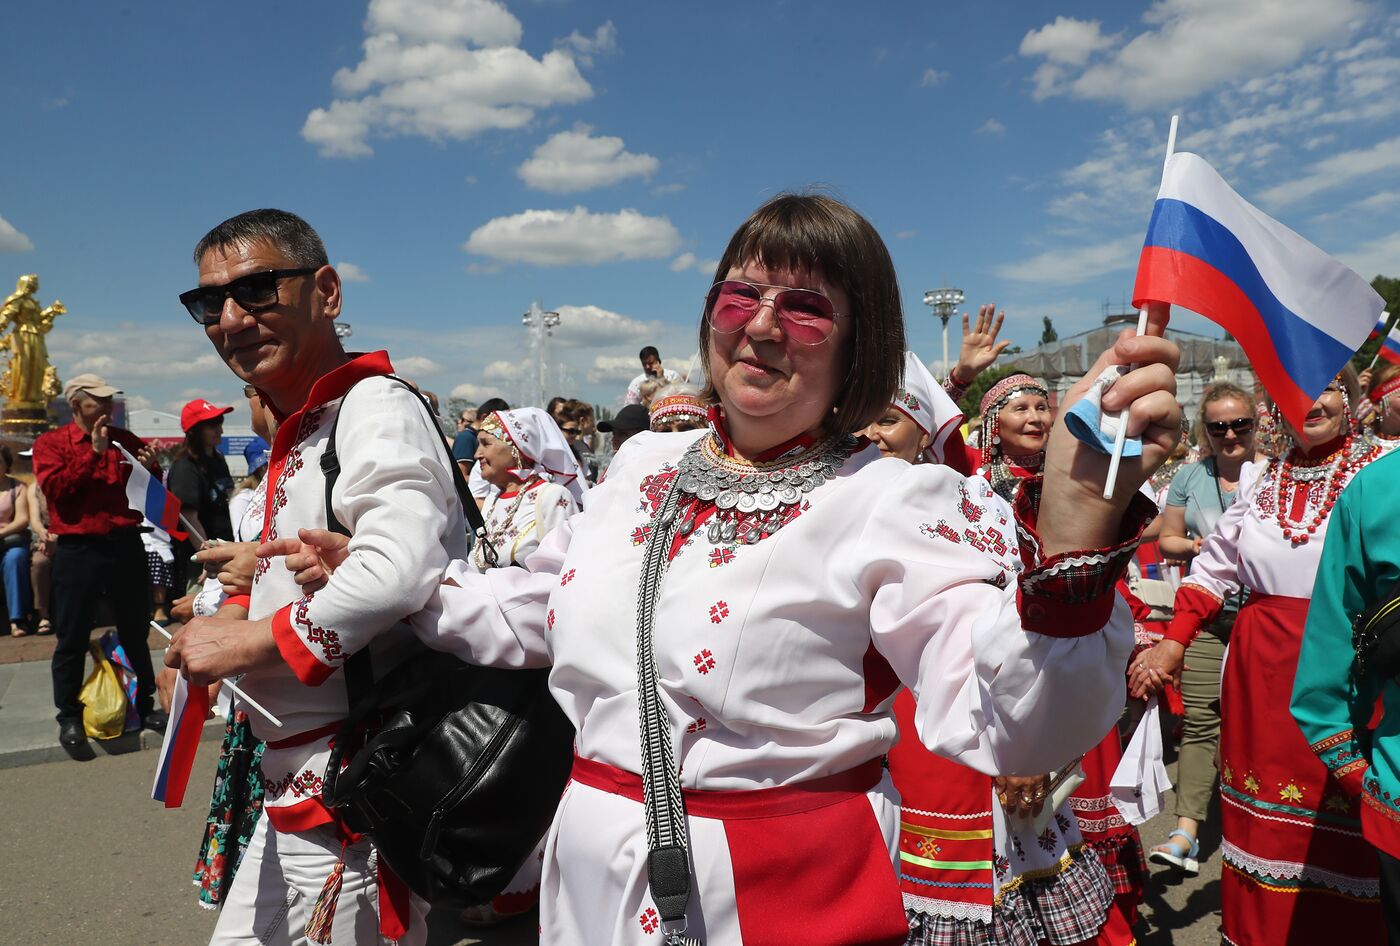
<point x="551" y="619"/>
<point x="650" y="921"/>
<point x="718" y="612"/>
<point x="697" y="726"/>
<point x="567" y="577"/>
<point x="640" y="534"/>
<point x="704" y="662"/>
<point x="722" y="556"/>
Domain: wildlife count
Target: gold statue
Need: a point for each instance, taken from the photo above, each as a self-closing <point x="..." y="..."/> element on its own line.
<point x="29" y="381"/>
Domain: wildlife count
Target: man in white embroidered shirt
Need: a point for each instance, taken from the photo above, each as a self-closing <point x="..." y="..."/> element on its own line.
<point x="267" y="300"/>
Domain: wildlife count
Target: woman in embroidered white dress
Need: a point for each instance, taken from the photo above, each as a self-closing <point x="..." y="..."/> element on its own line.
<point x="524" y="455"/>
<point x="792" y="582"/>
<point x="1296" y="867"/>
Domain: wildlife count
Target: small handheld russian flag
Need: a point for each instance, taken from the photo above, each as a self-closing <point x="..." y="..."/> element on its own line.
<point x="189" y="708"/>
<point x="148" y="496"/>
<point x="1390" y="348"/>
<point x="1298" y="313"/>
<point x="1379" y="328"/>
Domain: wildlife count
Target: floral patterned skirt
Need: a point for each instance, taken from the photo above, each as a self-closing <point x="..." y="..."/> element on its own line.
<point x="234" y="809"/>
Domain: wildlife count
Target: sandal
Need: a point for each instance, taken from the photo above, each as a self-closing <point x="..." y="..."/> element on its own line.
<point x="44" y="627"/>
<point x="18" y="630"/>
<point x="1181" y="856"/>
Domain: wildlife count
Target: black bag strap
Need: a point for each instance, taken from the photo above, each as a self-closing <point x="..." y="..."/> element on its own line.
<point x="359" y="672"/>
<point x="668" y="840"/>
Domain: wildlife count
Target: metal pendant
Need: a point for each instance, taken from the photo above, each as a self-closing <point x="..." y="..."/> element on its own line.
<point x="726" y="532"/>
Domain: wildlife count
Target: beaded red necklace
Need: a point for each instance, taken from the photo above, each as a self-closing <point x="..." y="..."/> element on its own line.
<point x="1334" y="467"/>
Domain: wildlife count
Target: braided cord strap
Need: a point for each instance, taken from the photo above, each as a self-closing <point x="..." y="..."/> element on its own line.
<point x="668" y="857"/>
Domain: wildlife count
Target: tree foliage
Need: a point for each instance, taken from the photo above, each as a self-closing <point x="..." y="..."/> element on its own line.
<point x="1388" y="288"/>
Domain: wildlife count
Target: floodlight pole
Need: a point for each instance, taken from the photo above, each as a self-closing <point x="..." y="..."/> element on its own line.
<point x="945" y="303"/>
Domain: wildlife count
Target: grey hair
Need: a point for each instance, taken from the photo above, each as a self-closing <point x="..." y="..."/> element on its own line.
<point x="296" y="238"/>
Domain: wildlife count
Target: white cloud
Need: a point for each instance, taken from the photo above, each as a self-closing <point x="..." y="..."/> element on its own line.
<point x="991" y="127"/>
<point x="687" y="261"/>
<point x="349" y="272"/>
<point x="416" y="366"/>
<point x="11" y="240"/>
<point x="503" y="371"/>
<point x="932" y="77"/>
<point x="572" y="161"/>
<point x="1188" y="47"/>
<point x="603" y="40"/>
<point x="136" y="402"/>
<point x="662" y="190"/>
<point x="591" y="327"/>
<point x="1378" y="257"/>
<point x="620" y="368"/>
<point x="1065" y="267"/>
<point x="440" y="69"/>
<point x="474" y="393"/>
<point x="1336" y="171"/>
<point x="574" y="237"/>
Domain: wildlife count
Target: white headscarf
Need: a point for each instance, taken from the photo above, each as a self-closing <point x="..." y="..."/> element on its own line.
<point x="543" y="449"/>
<point x="925" y="402"/>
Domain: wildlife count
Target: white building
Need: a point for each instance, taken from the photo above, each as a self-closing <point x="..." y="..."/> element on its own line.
<point x="164" y="428"/>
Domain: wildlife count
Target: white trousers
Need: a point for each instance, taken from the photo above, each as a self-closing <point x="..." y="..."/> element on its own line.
<point x="280" y="878"/>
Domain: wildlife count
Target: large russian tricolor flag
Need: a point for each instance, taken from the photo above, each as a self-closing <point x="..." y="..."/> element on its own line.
<point x="148" y="496"/>
<point x="1390" y="348"/>
<point x="1298" y="313"/>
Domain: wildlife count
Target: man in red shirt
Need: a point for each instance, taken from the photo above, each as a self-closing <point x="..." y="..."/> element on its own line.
<point x="98" y="548"/>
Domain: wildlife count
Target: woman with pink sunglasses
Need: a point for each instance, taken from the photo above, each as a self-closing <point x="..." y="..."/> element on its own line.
<point x="730" y="618"/>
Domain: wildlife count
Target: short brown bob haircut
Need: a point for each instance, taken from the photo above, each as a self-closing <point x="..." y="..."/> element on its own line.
<point x="818" y="234"/>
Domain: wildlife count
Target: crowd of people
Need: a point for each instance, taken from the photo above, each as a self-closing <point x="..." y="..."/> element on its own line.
<point x="796" y="595"/>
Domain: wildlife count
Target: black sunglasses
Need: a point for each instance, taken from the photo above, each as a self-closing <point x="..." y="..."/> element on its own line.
<point x="253" y="293"/>
<point x="1240" y="425"/>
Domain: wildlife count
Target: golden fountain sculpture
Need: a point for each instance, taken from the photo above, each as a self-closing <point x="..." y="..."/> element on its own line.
<point x="29" y="381"/>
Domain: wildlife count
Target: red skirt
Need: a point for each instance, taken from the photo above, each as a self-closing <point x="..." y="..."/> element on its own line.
<point x="1296" y="868"/>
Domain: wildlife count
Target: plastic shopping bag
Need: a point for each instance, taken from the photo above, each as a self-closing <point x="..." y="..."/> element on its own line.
<point x="1140" y="783"/>
<point x="104" y="700"/>
<point x="126" y="675"/>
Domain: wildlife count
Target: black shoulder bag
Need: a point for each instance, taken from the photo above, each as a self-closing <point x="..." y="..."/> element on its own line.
<point x="455" y="770"/>
<point x="1375" y="636"/>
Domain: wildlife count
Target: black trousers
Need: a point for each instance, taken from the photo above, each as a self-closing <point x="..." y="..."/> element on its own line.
<point x="83" y="567"/>
<point x="1390" y="896"/>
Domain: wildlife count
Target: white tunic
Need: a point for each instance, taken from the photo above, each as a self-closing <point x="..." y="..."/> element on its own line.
<point x="763" y="652"/>
<point x="517" y="521"/>
<point x="396" y="497"/>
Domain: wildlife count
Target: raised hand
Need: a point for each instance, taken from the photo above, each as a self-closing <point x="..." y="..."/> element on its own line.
<point x="980" y="348"/>
<point x="1073" y="513"/>
<point x="146" y="456"/>
<point x="102" y="434"/>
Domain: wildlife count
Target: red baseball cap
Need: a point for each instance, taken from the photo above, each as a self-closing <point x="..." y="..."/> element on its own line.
<point x="198" y="411"/>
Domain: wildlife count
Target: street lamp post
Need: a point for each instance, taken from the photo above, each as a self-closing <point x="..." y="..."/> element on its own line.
<point x="944" y="303"/>
<point x="343" y="330"/>
<point x="539" y="328"/>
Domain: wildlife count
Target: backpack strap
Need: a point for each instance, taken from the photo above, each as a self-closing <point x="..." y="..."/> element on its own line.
<point x="359" y="672"/>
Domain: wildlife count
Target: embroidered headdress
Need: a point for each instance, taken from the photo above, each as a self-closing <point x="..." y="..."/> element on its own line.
<point x="540" y="448"/>
<point x="678" y="403"/>
<point x="994" y="459"/>
<point x="925" y="402"/>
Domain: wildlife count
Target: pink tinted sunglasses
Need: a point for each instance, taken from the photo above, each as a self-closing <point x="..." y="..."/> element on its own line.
<point x="807" y="316"/>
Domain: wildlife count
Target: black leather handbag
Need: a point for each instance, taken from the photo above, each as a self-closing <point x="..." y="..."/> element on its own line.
<point x="454" y="771"/>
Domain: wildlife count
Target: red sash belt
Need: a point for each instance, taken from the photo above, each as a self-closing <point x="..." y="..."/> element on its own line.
<point x="750" y="803"/>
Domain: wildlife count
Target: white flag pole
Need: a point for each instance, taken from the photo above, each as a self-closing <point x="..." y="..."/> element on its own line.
<point x="1122" y="436"/>
<point x="233" y="689"/>
<point x="1385" y="317"/>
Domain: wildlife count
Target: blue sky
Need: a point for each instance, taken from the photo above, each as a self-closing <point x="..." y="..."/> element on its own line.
<point x="468" y="156"/>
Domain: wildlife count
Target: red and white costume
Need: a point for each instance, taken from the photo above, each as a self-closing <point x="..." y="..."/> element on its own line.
<point x="778" y="666"/>
<point x="396" y="497"/>
<point x="1296" y="867"/>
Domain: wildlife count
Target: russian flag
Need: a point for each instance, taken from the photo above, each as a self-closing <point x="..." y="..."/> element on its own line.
<point x="1380" y="325"/>
<point x="189" y="708"/>
<point x="1390" y="348"/>
<point x="1298" y="313"/>
<point x="148" y="496"/>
